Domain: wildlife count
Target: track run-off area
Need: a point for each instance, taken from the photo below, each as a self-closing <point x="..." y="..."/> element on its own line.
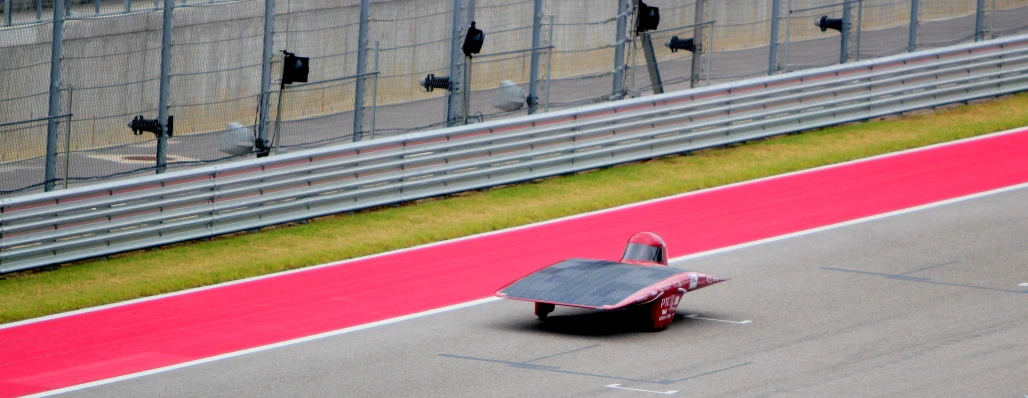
<point x="892" y="267"/>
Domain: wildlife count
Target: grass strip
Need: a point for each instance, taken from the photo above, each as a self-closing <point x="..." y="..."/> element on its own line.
<point x="145" y="273"/>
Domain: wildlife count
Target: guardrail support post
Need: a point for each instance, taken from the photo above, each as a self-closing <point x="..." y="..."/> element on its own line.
<point x="844" y="47"/>
<point x="362" y="68"/>
<point x="979" y="21"/>
<point x="776" y="16"/>
<point x="454" y="97"/>
<point x="697" y="37"/>
<point x="620" y="39"/>
<point x="266" y="60"/>
<point x="165" y="93"/>
<point x="537" y="40"/>
<point x="915" y="10"/>
<point x="52" y="127"/>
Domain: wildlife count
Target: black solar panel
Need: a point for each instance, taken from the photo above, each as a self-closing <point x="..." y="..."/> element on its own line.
<point x="587" y="283"/>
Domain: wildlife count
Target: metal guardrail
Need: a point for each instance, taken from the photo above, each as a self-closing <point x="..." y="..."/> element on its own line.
<point x="56" y="227"/>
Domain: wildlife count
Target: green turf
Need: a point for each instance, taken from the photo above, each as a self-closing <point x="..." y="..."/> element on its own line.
<point x="145" y="273"/>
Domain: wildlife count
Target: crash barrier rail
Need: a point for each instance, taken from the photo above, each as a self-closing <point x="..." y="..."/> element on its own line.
<point x="91" y="221"/>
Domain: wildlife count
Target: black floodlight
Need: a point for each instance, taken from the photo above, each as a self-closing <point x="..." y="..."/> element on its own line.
<point x="826" y="23"/>
<point x="432" y="82"/>
<point x="295" y="69"/>
<point x="139" y="125"/>
<point x="649" y="18"/>
<point x="473" y="41"/>
<point x="676" y="44"/>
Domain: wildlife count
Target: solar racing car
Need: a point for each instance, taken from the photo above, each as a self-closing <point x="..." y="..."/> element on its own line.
<point x="641" y="280"/>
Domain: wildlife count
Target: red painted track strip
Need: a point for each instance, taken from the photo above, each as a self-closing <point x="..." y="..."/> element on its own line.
<point x="97" y="345"/>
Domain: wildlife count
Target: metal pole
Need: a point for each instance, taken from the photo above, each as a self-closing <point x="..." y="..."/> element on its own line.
<point x="620" y="38"/>
<point x="776" y="15"/>
<point x="549" y="68"/>
<point x="165" y="93"/>
<point x="992" y="20"/>
<point x="467" y="89"/>
<point x="267" y="57"/>
<point x="697" y="37"/>
<point x="468" y="67"/>
<point x="537" y="39"/>
<point x="374" y="93"/>
<point x="453" y="106"/>
<point x="39" y="10"/>
<point x="362" y="68"/>
<point x="7" y="12"/>
<point x="54" y="110"/>
<point x="278" y="117"/>
<point x="915" y="9"/>
<point x="788" y="36"/>
<point x="979" y="21"/>
<point x="67" y="137"/>
<point x="128" y="5"/>
<point x="96" y="7"/>
<point x="651" y="64"/>
<point x="860" y="28"/>
<point x="710" y="46"/>
<point x="844" y="47"/>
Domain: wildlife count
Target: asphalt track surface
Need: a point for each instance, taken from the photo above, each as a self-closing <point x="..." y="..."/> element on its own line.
<point x="94" y="345"/>
<point x="919" y="304"/>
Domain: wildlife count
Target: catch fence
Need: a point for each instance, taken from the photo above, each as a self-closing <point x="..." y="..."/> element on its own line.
<point x="87" y="67"/>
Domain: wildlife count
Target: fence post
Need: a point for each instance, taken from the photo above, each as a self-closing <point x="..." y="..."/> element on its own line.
<point x="915" y="7"/>
<point x="7" y="12"/>
<point x="362" y="68"/>
<point x="788" y="35"/>
<point x="54" y="110"/>
<point x="844" y="47"/>
<point x="697" y="37"/>
<point x="860" y="27"/>
<point x="776" y="16"/>
<point x="620" y="38"/>
<point x="453" y="106"/>
<point x="165" y="93"/>
<point x="537" y="40"/>
<point x="374" y="93"/>
<point x="979" y="21"/>
<point x="266" y="58"/>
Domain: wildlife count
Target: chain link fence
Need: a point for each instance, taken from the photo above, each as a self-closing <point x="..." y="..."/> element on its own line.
<point x="369" y="62"/>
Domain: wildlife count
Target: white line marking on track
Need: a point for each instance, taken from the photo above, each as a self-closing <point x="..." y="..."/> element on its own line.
<point x="612" y="209"/>
<point x="668" y="392"/>
<point x="1023" y="285"/>
<point x="265" y="347"/>
<point x="854" y="222"/>
<point x="694" y="316"/>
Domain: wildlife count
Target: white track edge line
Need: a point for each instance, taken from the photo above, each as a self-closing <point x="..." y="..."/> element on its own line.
<point x="855" y="221"/>
<point x="512" y="229"/>
<point x="263" y="348"/>
<point x="491" y="299"/>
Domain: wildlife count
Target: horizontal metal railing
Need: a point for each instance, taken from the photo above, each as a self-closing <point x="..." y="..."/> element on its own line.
<point x="62" y="226"/>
